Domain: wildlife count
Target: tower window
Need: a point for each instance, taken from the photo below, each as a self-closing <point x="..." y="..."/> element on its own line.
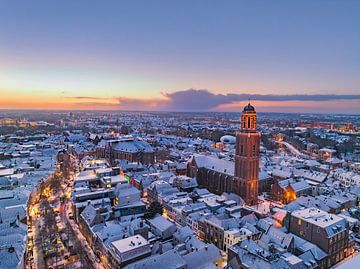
<point x="248" y="120"/>
<point x="241" y="149"/>
<point x="254" y="149"/>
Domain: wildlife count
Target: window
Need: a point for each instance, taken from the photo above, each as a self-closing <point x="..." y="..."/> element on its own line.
<point x="241" y="149"/>
<point x="254" y="149"/>
<point x="299" y="221"/>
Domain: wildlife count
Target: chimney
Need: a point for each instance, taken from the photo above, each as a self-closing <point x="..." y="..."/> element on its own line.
<point x="11" y="249"/>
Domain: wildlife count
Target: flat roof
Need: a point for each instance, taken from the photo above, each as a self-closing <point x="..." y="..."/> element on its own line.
<point x="316" y="216"/>
<point x="129" y="243"/>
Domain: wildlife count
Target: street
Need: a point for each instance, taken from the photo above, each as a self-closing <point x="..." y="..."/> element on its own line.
<point x="54" y="240"/>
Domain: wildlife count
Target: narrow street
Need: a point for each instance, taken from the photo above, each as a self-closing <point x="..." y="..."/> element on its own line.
<point x="83" y="246"/>
<point x="54" y="240"/>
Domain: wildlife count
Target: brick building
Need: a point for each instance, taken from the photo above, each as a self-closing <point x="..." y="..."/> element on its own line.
<point x="328" y="231"/>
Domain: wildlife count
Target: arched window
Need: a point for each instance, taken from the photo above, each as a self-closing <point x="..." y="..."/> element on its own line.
<point x="248" y="120"/>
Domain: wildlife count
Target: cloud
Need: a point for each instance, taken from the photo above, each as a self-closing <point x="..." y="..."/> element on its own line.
<point x="194" y="100"/>
<point x="87" y="98"/>
<point x="203" y="100"/>
<point x="142" y="104"/>
<point x="96" y="104"/>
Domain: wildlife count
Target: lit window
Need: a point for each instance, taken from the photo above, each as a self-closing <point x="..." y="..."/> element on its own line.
<point x="299" y="221"/>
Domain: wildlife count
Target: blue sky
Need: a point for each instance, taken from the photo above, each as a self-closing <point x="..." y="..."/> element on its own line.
<point x="145" y="50"/>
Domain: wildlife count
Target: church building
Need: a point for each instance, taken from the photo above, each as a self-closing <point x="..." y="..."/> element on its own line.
<point x="241" y="177"/>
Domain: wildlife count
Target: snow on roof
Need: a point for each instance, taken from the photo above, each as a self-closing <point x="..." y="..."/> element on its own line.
<point x="334" y="160"/>
<point x="129" y="243"/>
<point x="6" y="172"/>
<point x="160" y="223"/>
<point x="301" y="185"/>
<point x="319" y="217"/>
<point x="281" y="173"/>
<point x="263" y="175"/>
<point x="9" y="259"/>
<point x="215" y="164"/>
<point x="291" y="259"/>
<point x="311" y="175"/>
<point x="169" y="259"/>
<point x="328" y="150"/>
<point x="197" y="259"/>
<point x="133" y="146"/>
<point x="311" y="163"/>
<point x="125" y="189"/>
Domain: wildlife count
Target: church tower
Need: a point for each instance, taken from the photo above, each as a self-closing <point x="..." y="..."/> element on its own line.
<point x="247" y="157"/>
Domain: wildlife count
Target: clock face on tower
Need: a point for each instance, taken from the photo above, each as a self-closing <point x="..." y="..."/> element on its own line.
<point x="247" y="157"/>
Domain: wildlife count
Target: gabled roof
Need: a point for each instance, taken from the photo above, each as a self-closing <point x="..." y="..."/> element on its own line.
<point x="169" y="259"/>
<point x="89" y="214"/>
<point x="215" y="164"/>
<point x="183" y="233"/>
<point x="133" y="146"/>
<point x="161" y="223"/>
<point x="198" y="259"/>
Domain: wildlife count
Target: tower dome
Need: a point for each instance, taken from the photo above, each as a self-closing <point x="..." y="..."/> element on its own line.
<point x="249" y="108"/>
<point x="248" y="118"/>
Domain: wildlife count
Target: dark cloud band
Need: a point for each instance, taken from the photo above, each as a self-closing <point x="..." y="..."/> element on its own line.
<point x="205" y="100"/>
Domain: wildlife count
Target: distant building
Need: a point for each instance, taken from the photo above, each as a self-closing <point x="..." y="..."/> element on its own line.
<point x="7" y="121"/>
<point x="347" y="178"/>
<point x="126" y="149"/>
<point x="326" y="153"/>
<point x="312" y="148"/>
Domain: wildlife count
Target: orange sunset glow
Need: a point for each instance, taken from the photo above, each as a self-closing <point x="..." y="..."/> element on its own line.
<point x="164" y="57"/>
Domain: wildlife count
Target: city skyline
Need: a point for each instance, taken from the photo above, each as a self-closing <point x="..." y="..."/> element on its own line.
<point x="136" y="56"/>
<point x="179" y="134"/>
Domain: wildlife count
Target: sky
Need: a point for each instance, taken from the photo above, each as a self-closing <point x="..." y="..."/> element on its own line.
<point x="204" y="55"/>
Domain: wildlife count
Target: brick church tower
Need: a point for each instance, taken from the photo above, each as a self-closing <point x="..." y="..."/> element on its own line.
<point x="247" y="157"/>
